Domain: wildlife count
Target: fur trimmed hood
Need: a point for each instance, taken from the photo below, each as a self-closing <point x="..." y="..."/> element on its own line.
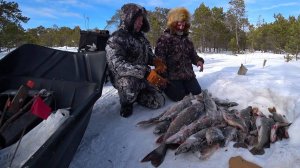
<point x="128" y="15"/>
<point x="178" y="14"/>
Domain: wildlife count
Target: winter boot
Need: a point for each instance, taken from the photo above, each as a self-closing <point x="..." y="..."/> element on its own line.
<point x="126" y="110"/>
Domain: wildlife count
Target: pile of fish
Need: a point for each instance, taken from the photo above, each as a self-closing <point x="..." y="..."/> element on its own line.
<point x="201" y="124"/>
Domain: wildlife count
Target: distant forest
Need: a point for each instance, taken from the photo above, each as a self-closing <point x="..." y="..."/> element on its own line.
<point x="212" y="30"/>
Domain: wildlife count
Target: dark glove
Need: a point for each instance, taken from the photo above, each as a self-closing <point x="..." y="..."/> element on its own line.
<point x="160" y="66"/>
<point x="156" y="80"/>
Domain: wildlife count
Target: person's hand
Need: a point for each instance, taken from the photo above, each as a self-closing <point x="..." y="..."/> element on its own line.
<point x="156" y="80"/>
<point x="200" y="64"/>
<point x="160" y="66"/>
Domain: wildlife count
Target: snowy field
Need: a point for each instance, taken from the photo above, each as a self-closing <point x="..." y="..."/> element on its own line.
<point x="111" y="141"/>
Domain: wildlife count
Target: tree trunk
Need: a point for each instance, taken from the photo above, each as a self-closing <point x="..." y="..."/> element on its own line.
<point x="236" y="37"/>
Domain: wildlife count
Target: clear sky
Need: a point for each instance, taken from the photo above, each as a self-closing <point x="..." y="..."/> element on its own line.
<point x="94" y="13"/>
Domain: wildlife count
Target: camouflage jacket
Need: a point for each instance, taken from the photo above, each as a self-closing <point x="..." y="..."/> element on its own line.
<point x="178" y="52"/>
<point x="128" y="54"/>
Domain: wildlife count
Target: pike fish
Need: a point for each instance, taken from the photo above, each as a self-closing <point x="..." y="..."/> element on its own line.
<point x="187" y="116"/>
<point x="283" y="127"/>
<point x="277" y="117"/>
<point x="245" y="114"/>
<point x="256" y="112"/>
<point x="162" y="127"/>
<point x="214" y="135"/>
<point x="186" y="131"/>
<point x="276" y="130"/>
<point x="230" y="134"/>
<point x="193" y="143"/>
<point x="215" y="139"/>
<point x="210" y="105"/>
<point x="263" y="125"/>
<point x="204" y="143"/>
<point x="241" y="138"/>
<point x="171" y="113"/>
<point x="224" y="103"/>
<point x="232" y="119"/>
<point x="207" y="151"/>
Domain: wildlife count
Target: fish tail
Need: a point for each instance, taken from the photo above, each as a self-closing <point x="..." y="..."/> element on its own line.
<point x="257" y="151"/>
<point x="207" y="152"/>
<point x="240" y="145"/>
<point x="148" y="122"/>
<point x="156" y="156"/>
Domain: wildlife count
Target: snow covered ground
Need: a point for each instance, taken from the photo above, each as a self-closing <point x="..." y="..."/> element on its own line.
<point x="111" y="141"/>
<point x="2" y="54"/>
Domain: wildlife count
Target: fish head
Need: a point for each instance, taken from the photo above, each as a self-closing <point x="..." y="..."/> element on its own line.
<point x="273" y="135"/>
<point x="188" y="97"/>
<point x="183" y="148"/>
<point x="199" y="97"/>
<point x="256" y="112"/>
<point x="214" y="135"/>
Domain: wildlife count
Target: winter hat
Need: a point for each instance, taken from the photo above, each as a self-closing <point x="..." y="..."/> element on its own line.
<point x="178" y="14"/>
<point x="129" y="13"/>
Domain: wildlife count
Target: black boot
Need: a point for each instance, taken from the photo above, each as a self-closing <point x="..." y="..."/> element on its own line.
<point x="126" y="110"/>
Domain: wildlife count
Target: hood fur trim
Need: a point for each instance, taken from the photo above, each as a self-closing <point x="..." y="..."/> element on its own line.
<point x="129" y="13"/>
<point x="178" y="14"/>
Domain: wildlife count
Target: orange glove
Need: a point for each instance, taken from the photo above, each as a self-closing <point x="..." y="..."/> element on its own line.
<point x="156" y="80"/>
<point x="160" y="66"/>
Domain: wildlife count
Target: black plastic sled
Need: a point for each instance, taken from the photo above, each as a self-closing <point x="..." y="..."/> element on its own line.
<point x="74" y="82"/>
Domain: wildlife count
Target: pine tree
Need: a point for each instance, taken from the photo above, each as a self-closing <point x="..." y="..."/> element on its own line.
<point x="293" y="42"/>
<point x="158" y="21"/>
<point x="237" y="19"/>
<point x="201" y="27"/>
<point x="10" y="23"/>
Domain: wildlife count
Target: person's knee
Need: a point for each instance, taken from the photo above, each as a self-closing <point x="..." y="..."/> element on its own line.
<point x="129" y="88"/>
<point x="127" y="97"/>
<point x="193" y="87"/>
<point x="151" y="99"/>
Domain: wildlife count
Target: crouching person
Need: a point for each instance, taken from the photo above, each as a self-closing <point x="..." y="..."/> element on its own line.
<point x="177" y="51"/>
<point x="129" y="55"/>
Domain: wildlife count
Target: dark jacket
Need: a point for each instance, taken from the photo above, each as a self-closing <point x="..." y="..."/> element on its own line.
<point x="129" y="53"/>
<point x="178" y="52"/>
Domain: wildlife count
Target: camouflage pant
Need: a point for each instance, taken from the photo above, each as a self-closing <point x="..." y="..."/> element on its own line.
<point x="132" y="90"/>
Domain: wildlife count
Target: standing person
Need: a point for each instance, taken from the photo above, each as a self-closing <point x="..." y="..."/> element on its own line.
<point x="128" y="55"/>
<point x="177" y="51"/>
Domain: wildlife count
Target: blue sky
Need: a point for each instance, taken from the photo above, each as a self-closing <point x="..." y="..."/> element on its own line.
<point x="94" y="13"/>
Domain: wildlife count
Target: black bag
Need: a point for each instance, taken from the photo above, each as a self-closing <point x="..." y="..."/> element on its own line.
<point x="93" y="40"/>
